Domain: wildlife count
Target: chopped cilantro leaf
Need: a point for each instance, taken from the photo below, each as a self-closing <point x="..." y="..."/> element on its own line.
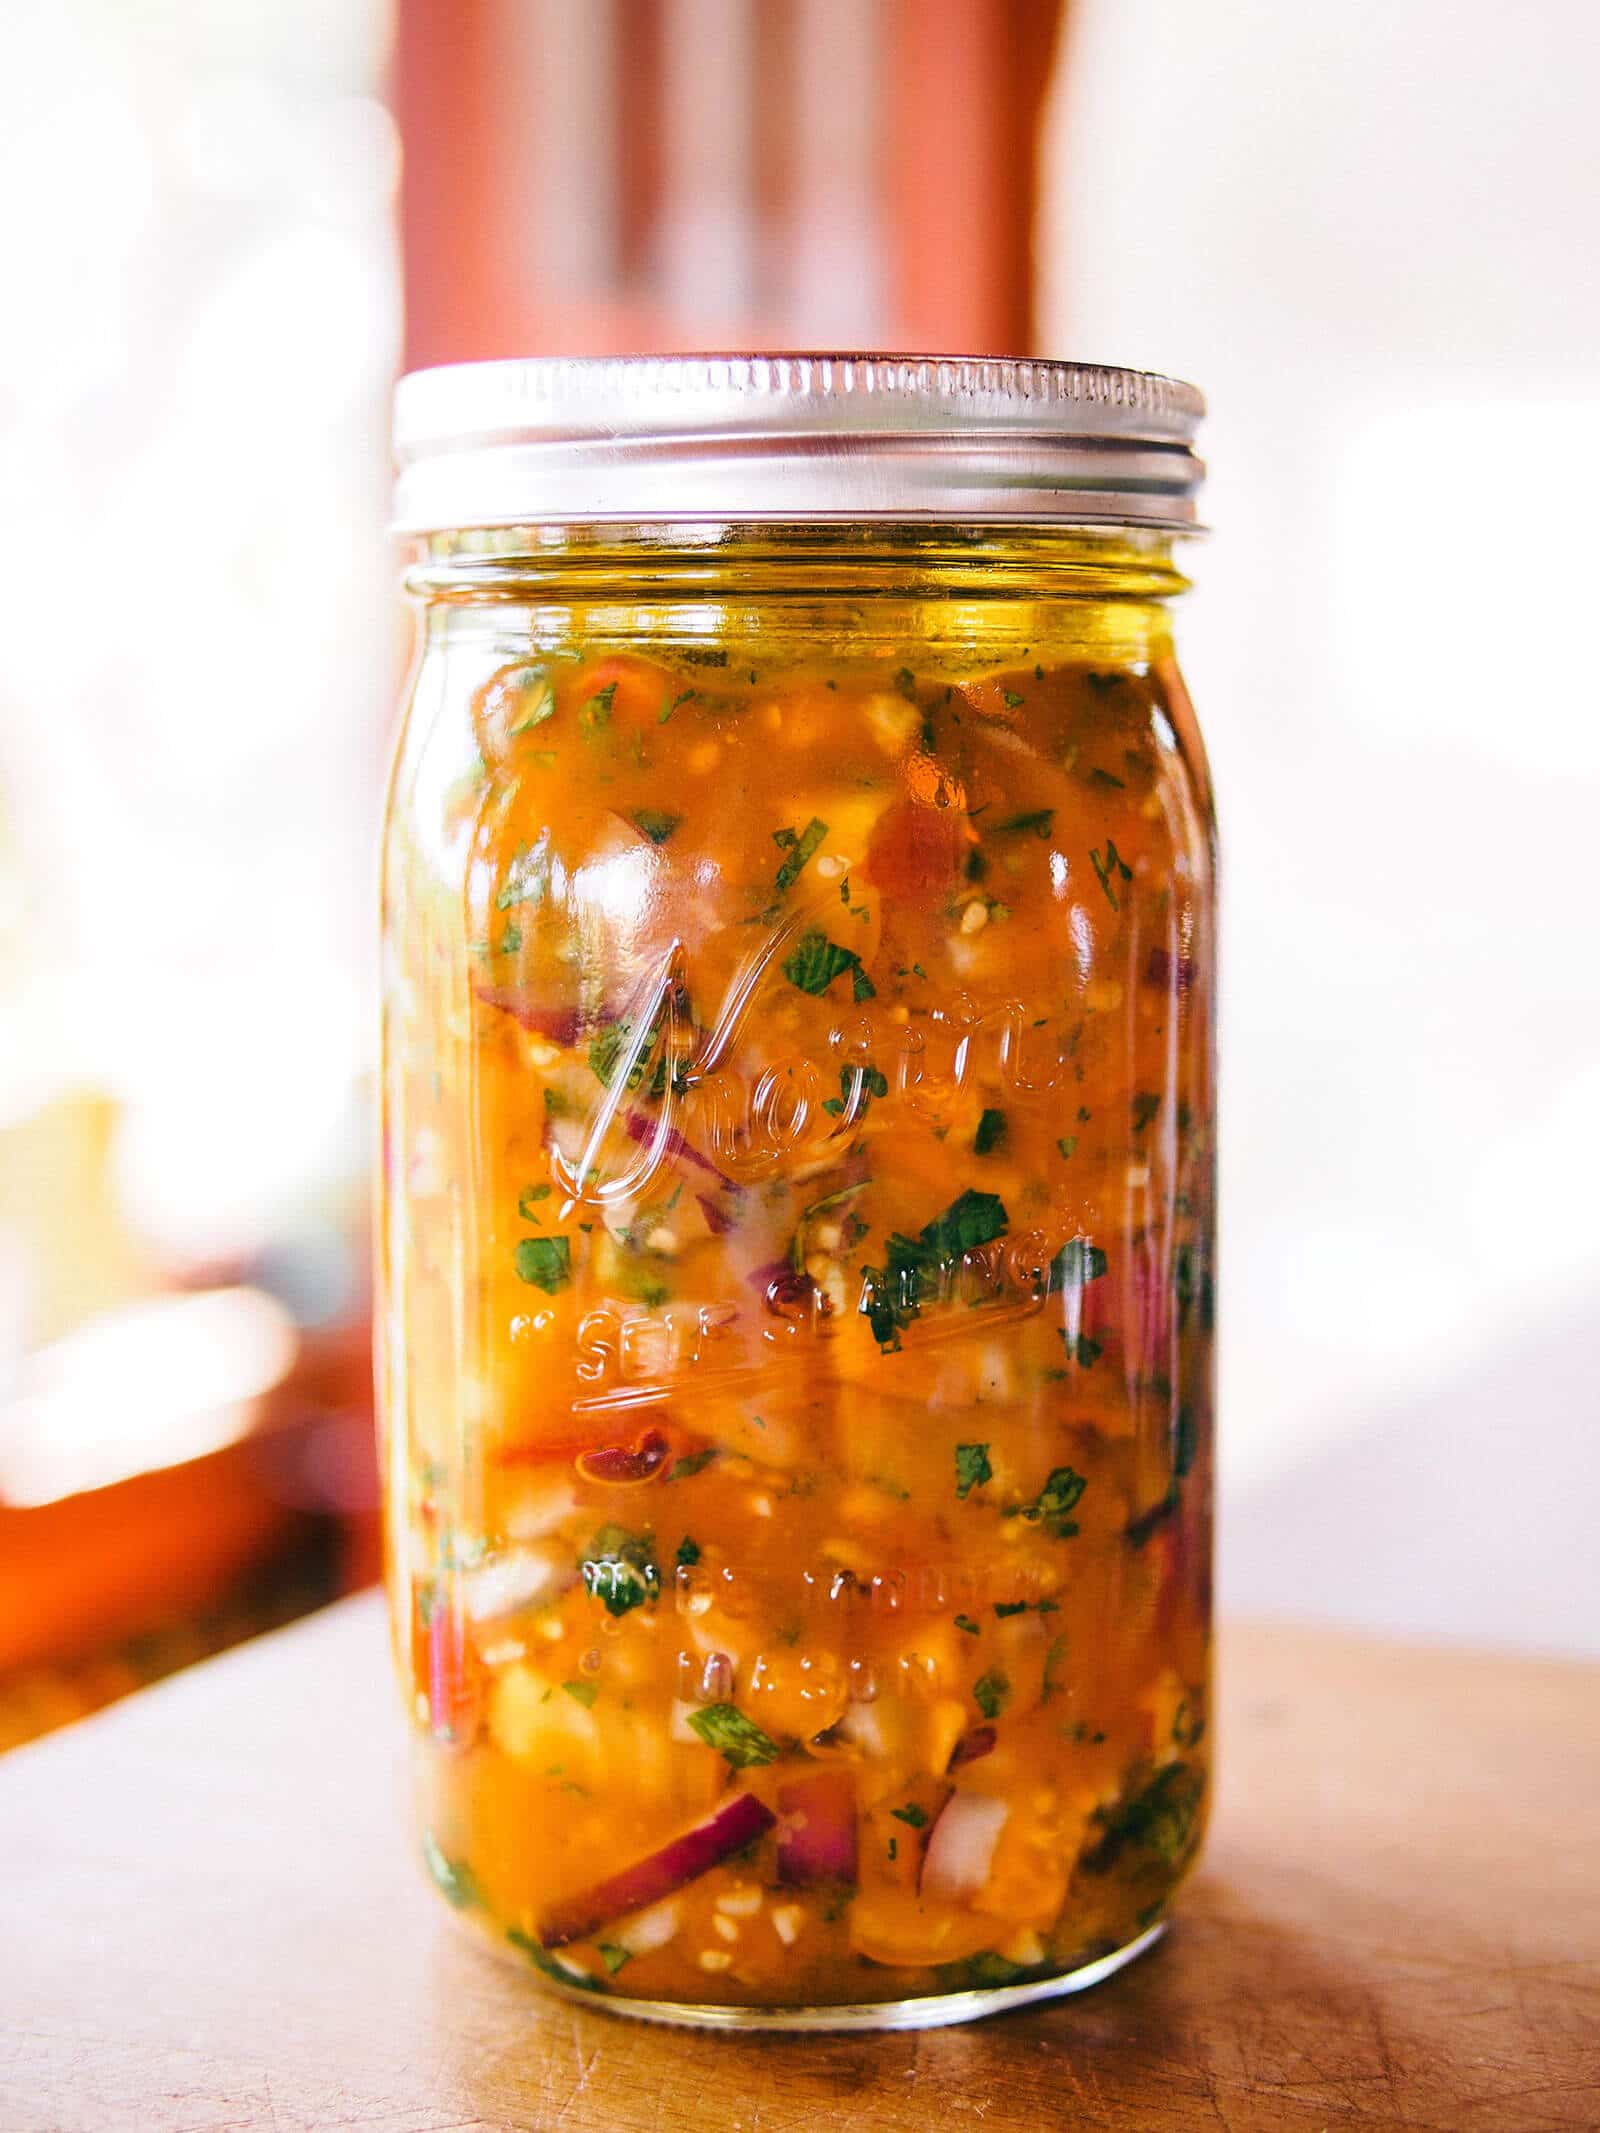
<point x="533" y="1193"/>
<point x="1040" y="822"/>
<point x="583" y="1692"/>
<point x="973" y="1219"/>
<point x="800" y="848"/>
<point x="991" y="1692"/>
<point x="1068" y="1145"/>
<point x="691" y="1463"/>
<point x="911" y="1814"/>
<point x="892" y="1293"/>
<point x="527" y="877"/>
<point x="597" y="711"/>
<point x="457" y="1881"/>
<point x="671" y="705"/>
<point x="545" y="1262"/>
<point x="1160" y="1818"/>
<point x="606" y="1051"/>
<point x="965" y="1622"/>
<point x="991" y="1132"/>
<point x="542" y="1959"/>
<point x="1146" y="1104"/>
<point x="874" y="1082"/>
<point x="688" y="1550"/>
<point x="1076" y="1264"/>
<point x="1053" y="1502"/>
<point x="817" y="961"/>
<point x="972" y="1468"/>
<point x="736" y="1738"/>
<point x="533" y="684"/>
<point x="1108" y="869"/>
<point x="1185" y="1442"/>
<point x="619" y="1569"/>
<point x="654" y="823"/>
<point x="1083" y="1351"/>
<point x="1191" y="1283"/>
<point x="1014" y="702"/>
<point x="613" y="1956"/>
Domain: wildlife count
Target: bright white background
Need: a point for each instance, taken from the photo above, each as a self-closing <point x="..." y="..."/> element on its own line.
<point x="201" y="321"/>
<point x="1370" y="233"/>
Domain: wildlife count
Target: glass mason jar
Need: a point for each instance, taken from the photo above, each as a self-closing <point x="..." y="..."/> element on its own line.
<point x="797" y="1215"/>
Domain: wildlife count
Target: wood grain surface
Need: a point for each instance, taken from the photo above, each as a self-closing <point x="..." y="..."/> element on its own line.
<point x="212" y="1920"/>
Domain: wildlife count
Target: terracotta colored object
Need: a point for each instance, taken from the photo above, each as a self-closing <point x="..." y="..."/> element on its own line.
<point x="1398" y="1925"/>
<point x="81" y="1573"/>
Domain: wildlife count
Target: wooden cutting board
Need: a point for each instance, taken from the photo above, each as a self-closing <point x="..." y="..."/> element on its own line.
<point x="212" y="1920"/>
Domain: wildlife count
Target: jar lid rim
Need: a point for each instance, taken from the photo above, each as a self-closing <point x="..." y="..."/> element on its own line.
<point x="805" y="435"/>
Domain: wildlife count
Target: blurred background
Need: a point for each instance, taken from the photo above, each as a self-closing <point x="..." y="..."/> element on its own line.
<point x="1369" y="233"/>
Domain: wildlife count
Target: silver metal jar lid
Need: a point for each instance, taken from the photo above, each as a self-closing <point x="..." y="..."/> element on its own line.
<point x="787" y="437"/>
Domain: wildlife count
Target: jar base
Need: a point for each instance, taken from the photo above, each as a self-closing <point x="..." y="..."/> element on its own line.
<point x="934" y="2011"/>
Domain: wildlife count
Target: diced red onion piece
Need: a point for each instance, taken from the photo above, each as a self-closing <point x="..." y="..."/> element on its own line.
<point x="560" y="1025"/>
<point x="1169" y="971"/>
<point x="643" y="1129"/>
<point x="618" y="1467"/>
<point x="736" y="1822"/>
<point x="780" y="1286"/>
<point x="971" y="1746"/>
<point x="817" y="1836"/>
<point x="718" y="1219"/>
<point x="961" y="1846"/>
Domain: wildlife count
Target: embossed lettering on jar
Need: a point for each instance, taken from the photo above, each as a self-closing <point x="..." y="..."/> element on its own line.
<point x="796" y="1237"/>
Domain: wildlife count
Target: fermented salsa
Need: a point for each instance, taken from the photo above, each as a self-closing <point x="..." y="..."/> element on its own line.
<point x="798" y="1252"/>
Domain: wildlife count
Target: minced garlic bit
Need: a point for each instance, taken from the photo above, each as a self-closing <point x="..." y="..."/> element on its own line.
<point x="716" y="1959"/>
<point x="704" y="758"/>
<point x="891" y="721"/>
<point x="975" y="917"/>
<point x="740" y="1903"/>
<point x="831" y="865"/>
<point x="786" y="1923"/>
<point x="724" y="1928"/>
<point x="662" y="1239"/>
